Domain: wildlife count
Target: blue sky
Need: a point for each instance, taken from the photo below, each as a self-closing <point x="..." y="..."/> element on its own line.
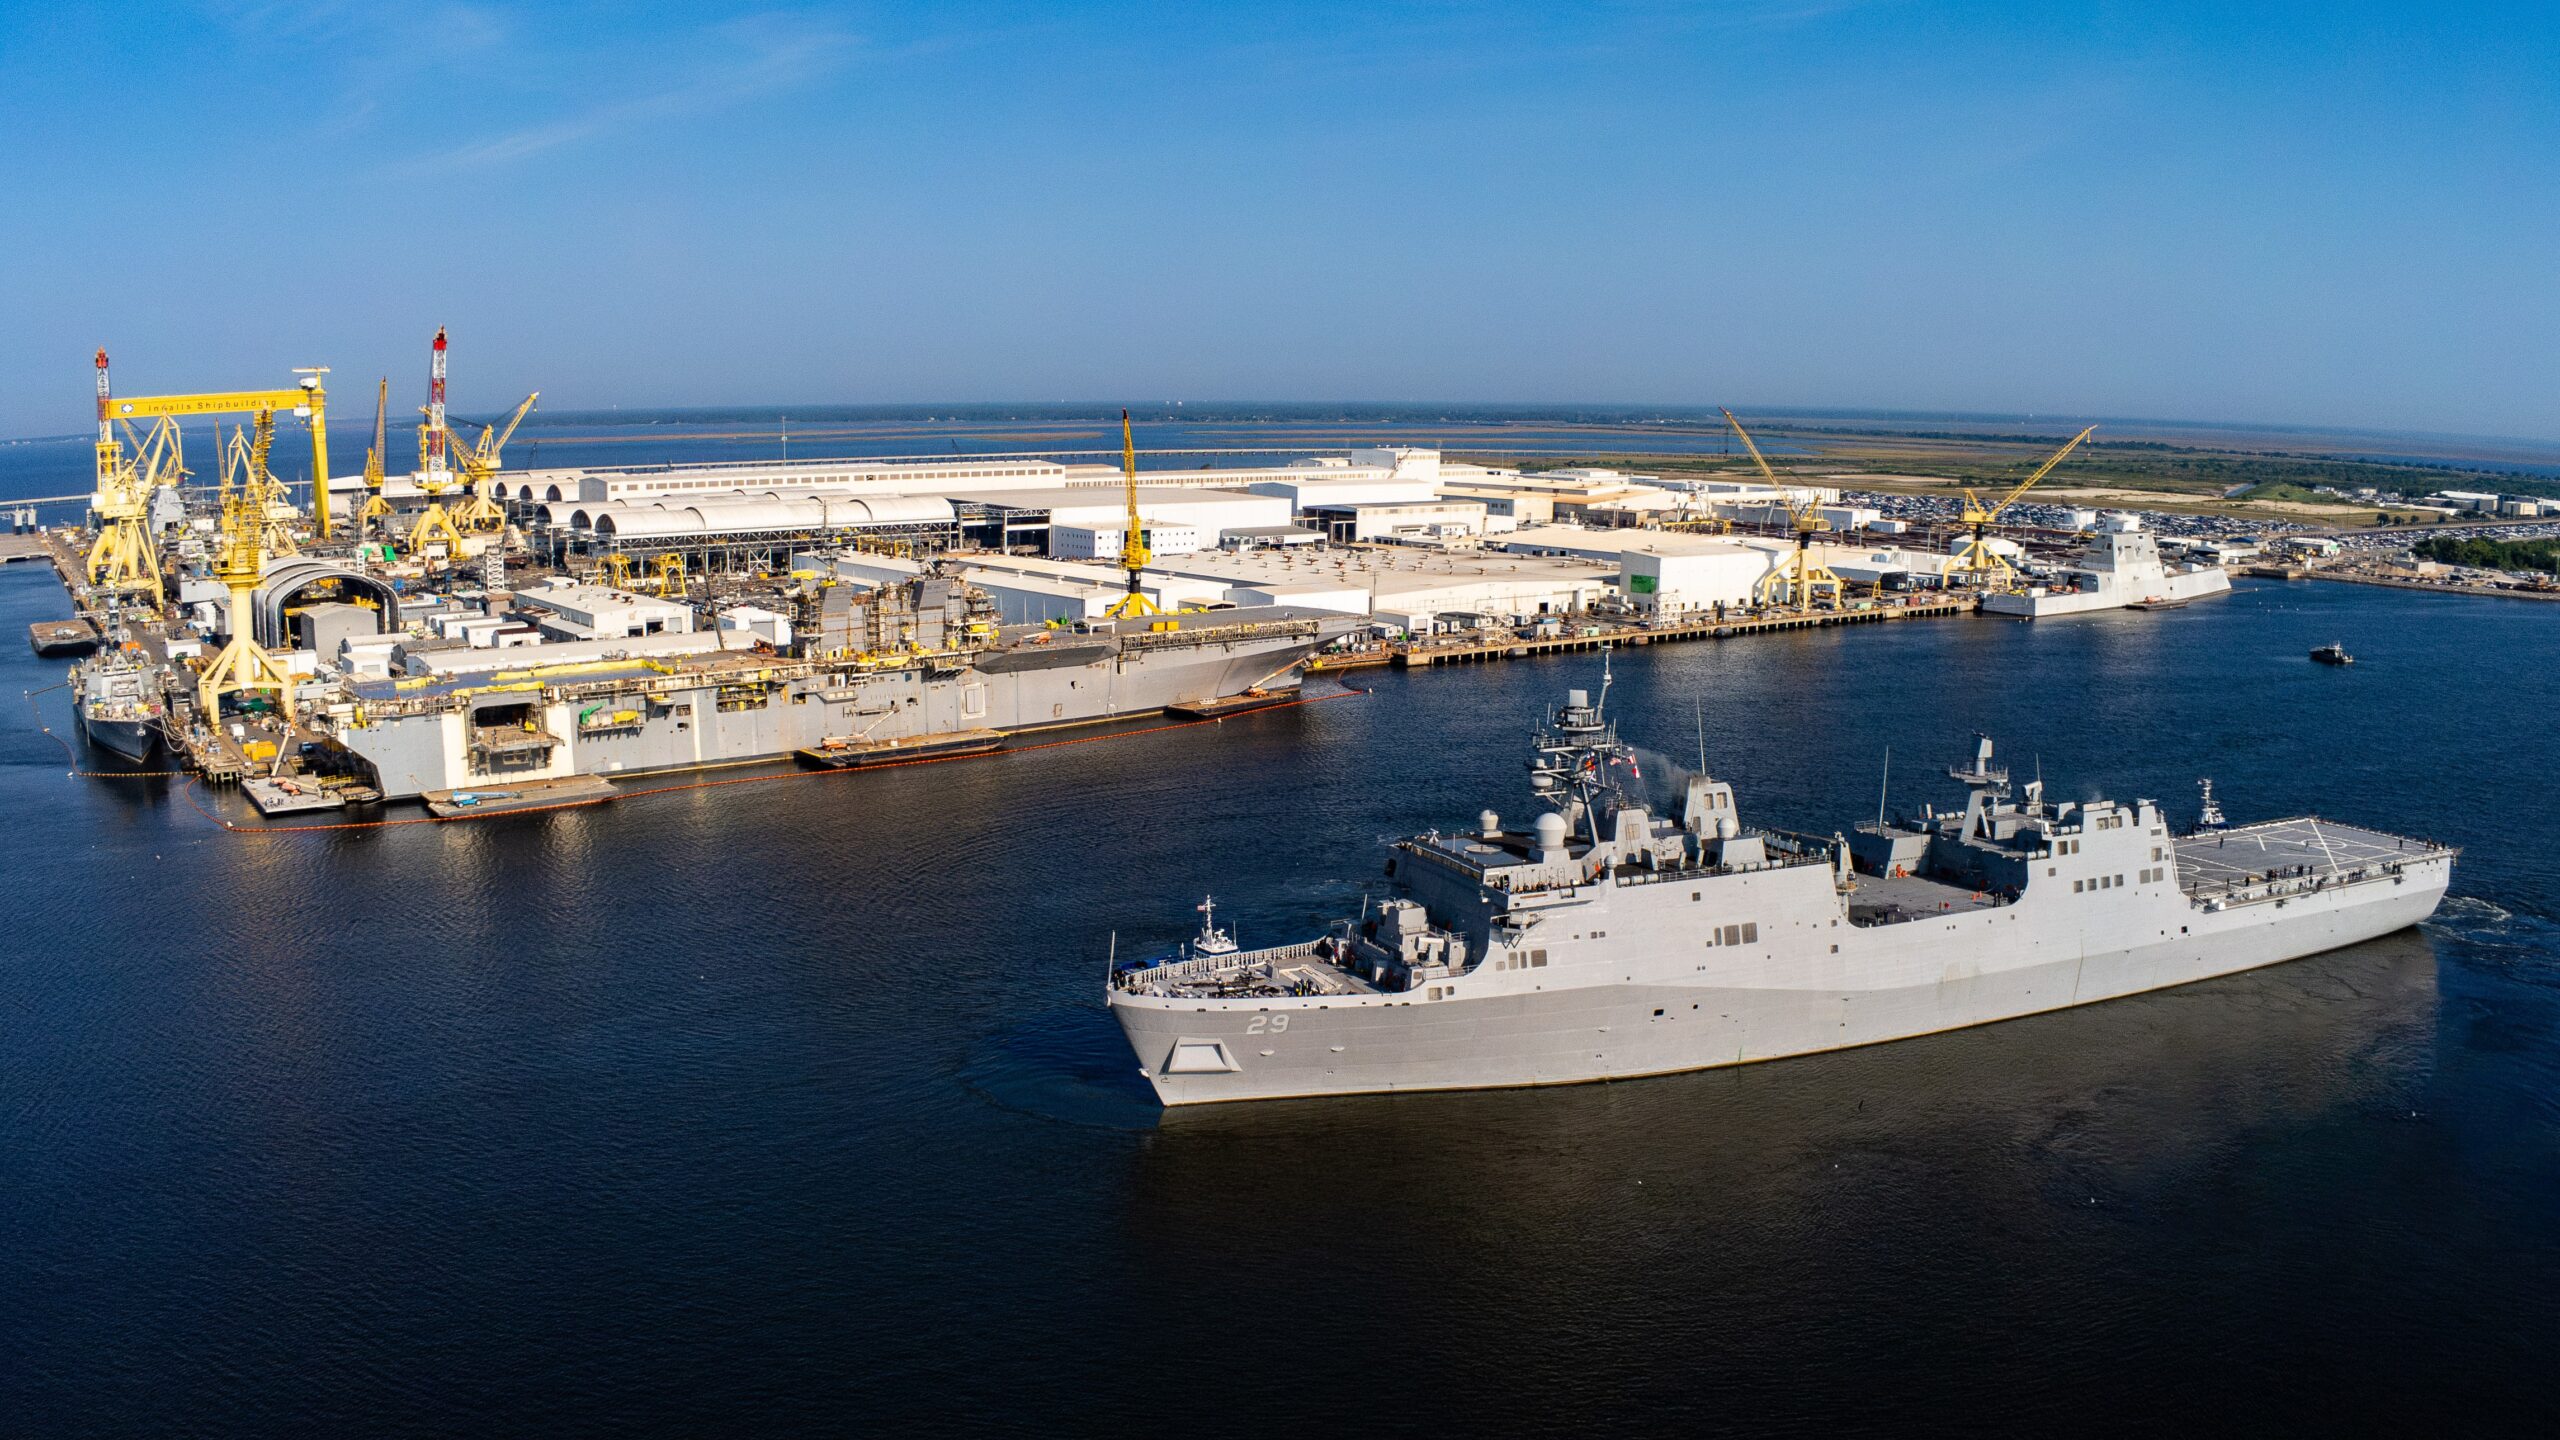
<point x="2321" y="214"/>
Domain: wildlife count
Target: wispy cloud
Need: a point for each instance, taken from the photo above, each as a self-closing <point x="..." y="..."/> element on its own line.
<point x="769" y="55"/>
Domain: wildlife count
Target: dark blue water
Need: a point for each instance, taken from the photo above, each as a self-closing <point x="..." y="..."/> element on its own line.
<point x="792" y="1107"/>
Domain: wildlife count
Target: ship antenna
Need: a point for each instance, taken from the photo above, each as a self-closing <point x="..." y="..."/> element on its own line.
<point x="1698" y="704"/>
<point x="1603" y="707"/>
<point x="1884" y="787"/>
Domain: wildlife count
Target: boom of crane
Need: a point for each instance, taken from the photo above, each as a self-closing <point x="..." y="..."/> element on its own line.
<point x="125" y="556"/>
<point x="1134" y="554"/>
<point x="309" y="400"/>
<point x="1797" y="577"/>
<point x="1979" y="564"/>
<point x="240" y="562"/>
<point x="376" y="509"/>
<point x="480" y="461"/>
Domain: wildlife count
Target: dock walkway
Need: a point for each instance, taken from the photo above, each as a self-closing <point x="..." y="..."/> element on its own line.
<point x="1511" y="648"/>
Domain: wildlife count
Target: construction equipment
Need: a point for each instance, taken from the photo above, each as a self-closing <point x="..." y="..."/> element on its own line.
<point x="1976" y="562"/>
<point x="480" y="461"/>
<point x="1798" y="576"/>
<point x="434" y="525"/>
<point x="1133" y="547"/>
<point x="309" y="401"/>
<point x="376" y="509"/>
<point x="670" y="569"/>
<point x="616" y="570"/>
<point x="240" y="562"/>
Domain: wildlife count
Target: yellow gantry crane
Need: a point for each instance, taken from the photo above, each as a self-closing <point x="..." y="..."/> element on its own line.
<point x="1797" y="576"/>
<point x="376" y="509"/>
<point x="670" y="570"/>
<point x="240" y="562"/>
<point x="1134" y="554"/>
<point x="1976" y="562"/>
<point x="480" y="461"/>
<point x="125" y="556"/>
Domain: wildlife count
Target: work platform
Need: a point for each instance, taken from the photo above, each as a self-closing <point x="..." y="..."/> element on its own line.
<point x="2284" y="856"/>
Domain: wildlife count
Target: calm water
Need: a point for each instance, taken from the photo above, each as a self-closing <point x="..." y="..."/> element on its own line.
<point x="793" y="1106"/>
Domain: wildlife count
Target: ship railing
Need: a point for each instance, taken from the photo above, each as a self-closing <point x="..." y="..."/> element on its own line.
<point x="1202" y="967"/>
<point x="1189" y="637"/>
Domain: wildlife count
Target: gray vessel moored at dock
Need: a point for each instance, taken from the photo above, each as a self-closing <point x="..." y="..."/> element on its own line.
<point x="118" y="703"/>
<point x="910" y="664"/>
<point x="1607" y="941"/>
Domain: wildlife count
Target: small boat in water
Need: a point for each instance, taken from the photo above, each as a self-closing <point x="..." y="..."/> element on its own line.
<point x="2333" y="655"/>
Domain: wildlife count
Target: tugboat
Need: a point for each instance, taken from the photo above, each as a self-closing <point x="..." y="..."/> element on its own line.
<point x="2333" y="655"/>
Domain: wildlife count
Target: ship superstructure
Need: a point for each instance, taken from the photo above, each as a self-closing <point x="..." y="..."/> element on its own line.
<point x="119" y="702"/>
<point x="1606" y="940"/>
<point x="2120" y="566"/>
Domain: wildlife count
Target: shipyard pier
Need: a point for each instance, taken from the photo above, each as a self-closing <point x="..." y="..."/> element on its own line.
<point x="386" y="634"/>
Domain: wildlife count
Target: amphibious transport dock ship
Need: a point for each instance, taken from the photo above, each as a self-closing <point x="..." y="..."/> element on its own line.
<point x="902" y="670"/>
<point x="1606" y="941"/>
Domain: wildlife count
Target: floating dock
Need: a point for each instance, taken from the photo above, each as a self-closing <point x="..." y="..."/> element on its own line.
<point x="62" y="637"/>
<point x="863" y="754"/>
<point x="519" y="795"/>
<point x="1244" y="704"/>
<point x="277" y="795"/>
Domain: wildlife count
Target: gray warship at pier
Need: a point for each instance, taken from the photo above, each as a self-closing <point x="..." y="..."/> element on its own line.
<point x="870" y="669"/>
<point x="1606" y="941"/>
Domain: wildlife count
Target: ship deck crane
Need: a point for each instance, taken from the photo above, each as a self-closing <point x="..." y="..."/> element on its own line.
<point x="1134" y="555"/>
<point x="1975" y="560"/>
<point x="1798" y="575"/>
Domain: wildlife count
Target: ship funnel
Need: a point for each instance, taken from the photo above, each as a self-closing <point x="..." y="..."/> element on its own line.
<point x="1492" y="825"/>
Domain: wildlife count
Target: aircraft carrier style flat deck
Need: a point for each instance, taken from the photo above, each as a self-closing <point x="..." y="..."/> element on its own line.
<point x="2288" y="853"/>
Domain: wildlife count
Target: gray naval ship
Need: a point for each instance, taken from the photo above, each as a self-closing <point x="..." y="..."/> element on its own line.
<point x="872" y="671"/>
<point x="119" y="706"/>
<point x="1606" y="941"/>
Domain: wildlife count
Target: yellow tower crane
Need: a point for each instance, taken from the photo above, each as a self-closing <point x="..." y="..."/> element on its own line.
<point x="479" y="461"/>
<point x="376" y="509"/>
<point x="1134" y="555"/>
<point x="1797" y="576"/>
<point x="1976" y="562"/>
<point x="240" y="562"/>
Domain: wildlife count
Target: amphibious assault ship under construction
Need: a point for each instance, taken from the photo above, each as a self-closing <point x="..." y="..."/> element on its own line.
<point x="906" y="663"/>
<point x="1606" y="941"/>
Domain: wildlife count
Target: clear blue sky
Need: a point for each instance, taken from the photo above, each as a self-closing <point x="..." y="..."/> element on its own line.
<point x="2332" y="213"/>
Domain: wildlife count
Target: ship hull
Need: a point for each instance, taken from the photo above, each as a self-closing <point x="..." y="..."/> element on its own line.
<point x="132" y="739"/>
<point x="1585" y="1033"/>
<point x="683" y="723"/>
